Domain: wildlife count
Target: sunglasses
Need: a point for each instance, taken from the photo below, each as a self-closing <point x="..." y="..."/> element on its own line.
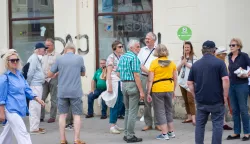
<point x="233" y="45"/>
<point x="14" y="60"/>
<point x="120" y="46"/>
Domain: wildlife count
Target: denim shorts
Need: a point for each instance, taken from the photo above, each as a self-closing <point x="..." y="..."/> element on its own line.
<point x="75" y="103"/>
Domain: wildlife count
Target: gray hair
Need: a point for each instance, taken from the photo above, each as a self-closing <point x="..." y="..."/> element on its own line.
<point x="69" y="45"/>
<point x="132" y="42"/>
<point x="153" y="36"/>
<point x="51" y="40"/>
<point x="208" y="51"/>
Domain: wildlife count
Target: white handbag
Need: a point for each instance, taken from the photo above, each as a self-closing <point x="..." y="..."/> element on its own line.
<point x="183" y="77"/>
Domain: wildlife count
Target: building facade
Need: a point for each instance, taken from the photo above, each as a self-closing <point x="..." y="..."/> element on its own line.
<point x="97" y="23"/>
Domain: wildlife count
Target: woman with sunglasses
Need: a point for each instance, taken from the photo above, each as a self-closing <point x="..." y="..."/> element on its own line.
<point x="114" y="85"/>
<point x="14" y="89"/>
<point x="183" y="67"/>
<point x="238" y="91"/>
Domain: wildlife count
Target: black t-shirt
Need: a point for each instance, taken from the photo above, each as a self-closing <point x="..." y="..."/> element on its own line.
<point x="207" y="75"/>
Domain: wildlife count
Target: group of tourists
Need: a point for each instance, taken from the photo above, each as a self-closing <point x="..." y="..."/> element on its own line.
<point x="124" y="81"/>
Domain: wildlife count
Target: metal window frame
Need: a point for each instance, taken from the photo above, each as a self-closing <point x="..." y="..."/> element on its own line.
<point x="97" y="14"/>
<point x="11" y="20"/>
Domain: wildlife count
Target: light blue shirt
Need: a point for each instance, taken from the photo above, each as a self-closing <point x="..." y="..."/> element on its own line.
<point x="69" y="67"/>
<point x="13" y="92"/>
<point x="35" y="75"/>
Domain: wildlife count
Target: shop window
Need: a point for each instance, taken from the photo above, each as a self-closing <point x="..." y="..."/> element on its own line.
<point x="44" y="2"/>
<point x="31" y="8"/>
<point x="121" y="20"/>
<point x="23" y="2"/>
<point x="30" y="23"/>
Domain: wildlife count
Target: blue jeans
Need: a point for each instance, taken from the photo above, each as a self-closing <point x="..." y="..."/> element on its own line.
<point x="238" y="94"/>
<point x="115" y="111"/>
<point x="217" y="115"/>
<point x="91" y="98"/>
<point x="122" y="110"/>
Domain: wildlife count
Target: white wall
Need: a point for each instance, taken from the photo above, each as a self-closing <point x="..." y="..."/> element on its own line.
<point x="77" y="17"/>
<point x="237" y="22"/>
<point x="4" y="28"/>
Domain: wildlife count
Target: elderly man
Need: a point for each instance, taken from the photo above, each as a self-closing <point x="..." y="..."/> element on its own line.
<point x="70" y="68"/>
<point x="146" y="57"/>
<point x="208" y="81"/>
<point x="129" y="73"/>
<point x="50" y="85"/>
<point x="35" y="78"/>
<point x="98" y="85"/>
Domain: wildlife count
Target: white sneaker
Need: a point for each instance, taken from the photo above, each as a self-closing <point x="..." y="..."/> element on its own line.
<point x="118" y="128"/>
<point x="171" y="134"/>
<point x="113" y="130"/>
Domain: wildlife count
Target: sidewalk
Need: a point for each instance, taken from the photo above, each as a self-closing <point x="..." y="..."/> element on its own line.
<point x="96" y="131"/>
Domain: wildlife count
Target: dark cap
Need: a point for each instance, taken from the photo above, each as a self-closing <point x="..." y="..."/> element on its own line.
<point x="208" y="45"/>
<point x="40" y="45"/>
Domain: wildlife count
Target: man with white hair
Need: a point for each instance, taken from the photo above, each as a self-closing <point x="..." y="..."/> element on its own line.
<point x="146" y="57"/>
<point x="35" y="78"/>
<point x="70" y="68"/>
<point x="129" y="73"/>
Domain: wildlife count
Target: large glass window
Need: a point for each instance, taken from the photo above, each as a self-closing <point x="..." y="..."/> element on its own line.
<point x="30" y="21"/>
<point x="121" y="20"/>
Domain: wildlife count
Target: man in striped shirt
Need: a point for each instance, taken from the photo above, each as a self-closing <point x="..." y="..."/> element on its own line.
<point x="129" y="73"/>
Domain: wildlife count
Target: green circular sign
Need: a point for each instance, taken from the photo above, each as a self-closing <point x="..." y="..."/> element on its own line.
<point x="184" y="33"/>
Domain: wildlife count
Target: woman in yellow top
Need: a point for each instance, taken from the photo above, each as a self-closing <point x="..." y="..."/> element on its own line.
<point x="161" y="85"/>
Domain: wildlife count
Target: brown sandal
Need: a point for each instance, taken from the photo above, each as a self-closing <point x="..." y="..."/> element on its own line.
<point x="187" y="121"/>
<point x="79" y="142"/>
<point x="64" y="142"/>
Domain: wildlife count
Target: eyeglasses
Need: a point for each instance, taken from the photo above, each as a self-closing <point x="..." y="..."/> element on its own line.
<point x="14" y="60"/>
<point x="120" y="46"/>
<point x="233" y="45"/>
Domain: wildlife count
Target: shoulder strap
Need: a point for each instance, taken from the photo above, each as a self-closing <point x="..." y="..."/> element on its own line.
<point x="149" y="56"/>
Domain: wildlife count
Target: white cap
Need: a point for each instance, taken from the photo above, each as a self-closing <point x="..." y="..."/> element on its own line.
<point x="221" y="50"/>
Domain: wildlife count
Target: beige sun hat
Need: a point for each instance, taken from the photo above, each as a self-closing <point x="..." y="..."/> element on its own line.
<point x="221" y="50"/>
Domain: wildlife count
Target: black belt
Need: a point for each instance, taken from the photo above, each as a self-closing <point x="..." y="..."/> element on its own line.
<point x="128" y="81"/>
<point x="144" y="75"/>
<point x="167" y="79"/>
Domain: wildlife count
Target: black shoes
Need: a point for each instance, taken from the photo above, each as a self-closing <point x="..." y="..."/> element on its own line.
<point x="134" y="139"/>
<point x="245" y="138"/>
<point x="125" y="138"/>
<point x="103" y="117"/>
<point x="121" y="117"/>
<point x="233" y="137"/>
<point x="89" y="116"/>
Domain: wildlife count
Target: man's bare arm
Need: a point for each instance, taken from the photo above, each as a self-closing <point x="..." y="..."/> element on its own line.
<point x="144" y="69"/>
<point x="225" y="83"/>
<point x="50" y="74"/>
<point x="82" y="73"/>
<point x="191" y="87"/>
<point x="139" y="85"/>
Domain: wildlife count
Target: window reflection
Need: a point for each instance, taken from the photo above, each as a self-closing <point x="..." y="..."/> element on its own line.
<point x="32" y="8"/>
<point x="25" y="34"/>
<point x="123" y="28"/>
<point x="106" y="6"/>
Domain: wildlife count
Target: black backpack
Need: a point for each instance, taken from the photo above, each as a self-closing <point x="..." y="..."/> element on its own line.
<point x="25" y="70"/>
